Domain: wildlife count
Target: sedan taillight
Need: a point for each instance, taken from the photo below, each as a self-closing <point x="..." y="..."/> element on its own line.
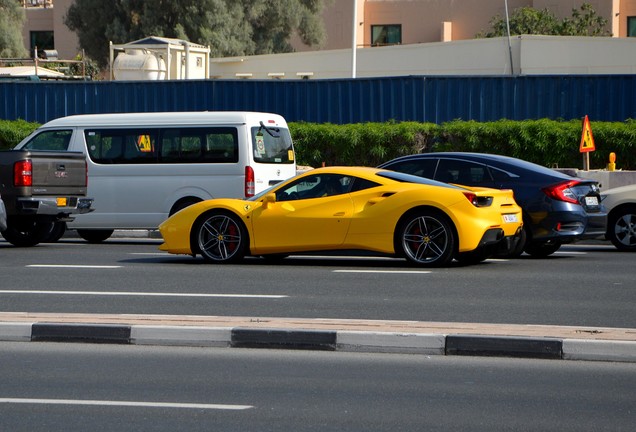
<point x="562" y="191"/>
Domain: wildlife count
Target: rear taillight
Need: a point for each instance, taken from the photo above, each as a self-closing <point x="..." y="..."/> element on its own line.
<point x="249" y="182"/>
<point x="23" y="173"/>
<point x="562" y="191"/>
<point x="478" y="201"/>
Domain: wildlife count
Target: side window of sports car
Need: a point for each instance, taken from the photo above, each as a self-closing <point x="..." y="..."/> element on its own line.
<point x="358" y="184"/>
<point x="317" y="186"/>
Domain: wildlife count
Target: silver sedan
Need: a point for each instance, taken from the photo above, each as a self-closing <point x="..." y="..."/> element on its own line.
<point x="3" y="216"/>
<point x="621" y="217"/>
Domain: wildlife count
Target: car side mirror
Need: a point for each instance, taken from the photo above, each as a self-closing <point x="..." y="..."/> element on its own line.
<point x="268" y="199"/>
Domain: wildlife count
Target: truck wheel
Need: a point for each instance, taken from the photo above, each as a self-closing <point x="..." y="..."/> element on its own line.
<point x="57" y="231"/>
<point x="95" y="236"/>
<point x="26" y="233"/>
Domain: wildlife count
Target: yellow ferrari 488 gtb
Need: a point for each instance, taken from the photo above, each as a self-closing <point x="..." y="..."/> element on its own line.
<point x="350" y="208"/>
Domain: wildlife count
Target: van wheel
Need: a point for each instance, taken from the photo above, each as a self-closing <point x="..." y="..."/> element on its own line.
<point x="220" y="237"/>
<point x="180" y="205"/>
<point x="95" y="236"/>
<point x="26" y="232"/>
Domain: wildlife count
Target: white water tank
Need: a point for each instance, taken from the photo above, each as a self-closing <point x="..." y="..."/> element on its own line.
<point x="136" y="65"/>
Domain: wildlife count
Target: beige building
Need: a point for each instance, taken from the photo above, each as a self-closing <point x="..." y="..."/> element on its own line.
<point x="378" y="23"/>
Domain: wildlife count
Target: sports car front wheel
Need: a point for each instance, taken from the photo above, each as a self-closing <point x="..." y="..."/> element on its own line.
<point x="426" y="238"/>
<point x="221" y="237"/>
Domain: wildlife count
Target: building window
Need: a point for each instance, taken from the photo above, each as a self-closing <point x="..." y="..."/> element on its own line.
<point x="386" y="34"/>
<point x="43" y="40"/>
<point x="631" y="26"/>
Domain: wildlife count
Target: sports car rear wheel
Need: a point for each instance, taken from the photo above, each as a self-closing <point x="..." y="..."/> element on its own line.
<point x="426" y="238"/>
<point x="221" y="237"/>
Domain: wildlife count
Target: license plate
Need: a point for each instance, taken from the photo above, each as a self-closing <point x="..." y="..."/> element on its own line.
<point x="61" y="202"/>
<point x="591" y="201"/>
<point x="510" y="218"/>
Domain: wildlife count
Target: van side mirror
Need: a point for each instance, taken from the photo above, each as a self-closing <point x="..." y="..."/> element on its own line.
<point x="268" y="199"/>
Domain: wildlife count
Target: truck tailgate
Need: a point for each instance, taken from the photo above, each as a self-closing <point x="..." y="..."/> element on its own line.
<point x="55" y="175"/>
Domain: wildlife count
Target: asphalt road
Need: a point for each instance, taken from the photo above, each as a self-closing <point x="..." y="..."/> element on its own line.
<point x="581" y="285"/>
<point x="79" y="387"/>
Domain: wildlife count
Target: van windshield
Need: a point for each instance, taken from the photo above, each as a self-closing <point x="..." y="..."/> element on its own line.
<point x="272" y="144"/>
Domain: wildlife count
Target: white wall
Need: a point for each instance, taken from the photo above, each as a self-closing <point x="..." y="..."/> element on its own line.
<point x="532" y="55"/>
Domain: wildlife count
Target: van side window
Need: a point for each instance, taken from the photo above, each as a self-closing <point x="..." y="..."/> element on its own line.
<point x="121" y="146"/>
<point x="170" y="145"/>
<point x="56" y="140"/>
<point x="200" y="145"/>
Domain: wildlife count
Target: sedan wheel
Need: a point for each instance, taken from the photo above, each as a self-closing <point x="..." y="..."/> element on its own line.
<point x="426" y="238"/>
<point x="542" y="249"/>
<point x="221" y="237"/>
<point x="622" y="229"/>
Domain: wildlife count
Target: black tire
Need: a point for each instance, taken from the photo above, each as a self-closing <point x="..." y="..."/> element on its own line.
<point x="220" y="237"/>
<point x="182" y="204"/>
<point x="474" y="257"/>
<point x="517" y="249"/>
<point x="426" y="238"/>
<point x="95" y="236"/>
<point x="542" y="249"/>
<point x="26" y="232"/>
<point x="274" y="258"/>
<point x="621" y="228"/>
<point x="57" y="231"/>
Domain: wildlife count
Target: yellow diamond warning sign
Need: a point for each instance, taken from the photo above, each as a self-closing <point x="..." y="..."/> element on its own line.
<point x="587" y="139"/>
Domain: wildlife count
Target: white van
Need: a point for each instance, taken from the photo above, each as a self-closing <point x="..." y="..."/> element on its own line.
<point x="143" y="167"/>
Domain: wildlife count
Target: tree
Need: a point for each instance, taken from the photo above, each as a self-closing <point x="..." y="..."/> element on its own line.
<point x="527" y="20"/>
<point x="12" y="19"/>
<point x="229" y="27"/>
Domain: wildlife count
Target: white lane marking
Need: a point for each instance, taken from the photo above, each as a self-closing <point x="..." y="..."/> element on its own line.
<point x="383" y="271"/>
<point x="568" y="252"/>
<point x="150" y="253"/>
<point x="124" y="403"/>
<point x="73" y="266"/>
<point x="141" y="294"/>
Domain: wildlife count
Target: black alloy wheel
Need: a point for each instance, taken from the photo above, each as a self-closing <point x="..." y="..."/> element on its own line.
<point x="220" y="237"/>
<point x="426" y="238"/>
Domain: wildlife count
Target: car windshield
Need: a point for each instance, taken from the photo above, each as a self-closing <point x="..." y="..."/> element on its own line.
<point x="262" y="193"/>
<point x="409" y="178"/>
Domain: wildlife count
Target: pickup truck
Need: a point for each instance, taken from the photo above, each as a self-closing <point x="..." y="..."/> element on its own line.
<point x="40" y="190"/>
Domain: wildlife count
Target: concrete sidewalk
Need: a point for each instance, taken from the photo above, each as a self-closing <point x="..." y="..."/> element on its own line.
<point x="414" y="337"/>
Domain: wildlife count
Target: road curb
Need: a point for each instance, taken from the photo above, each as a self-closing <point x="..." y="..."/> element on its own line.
<point x="320" y="339"/>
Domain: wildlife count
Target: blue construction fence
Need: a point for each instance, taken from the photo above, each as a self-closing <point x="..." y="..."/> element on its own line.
<point x="435" y="99"/>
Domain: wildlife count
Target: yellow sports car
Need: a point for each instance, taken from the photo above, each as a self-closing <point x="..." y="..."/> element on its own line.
<point x="350" y="208"/>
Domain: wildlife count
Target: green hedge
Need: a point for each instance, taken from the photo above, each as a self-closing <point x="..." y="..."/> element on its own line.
<point x="546" y="142"/>
<point x="550" y="143"/>
<point x="12" y="132"/>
